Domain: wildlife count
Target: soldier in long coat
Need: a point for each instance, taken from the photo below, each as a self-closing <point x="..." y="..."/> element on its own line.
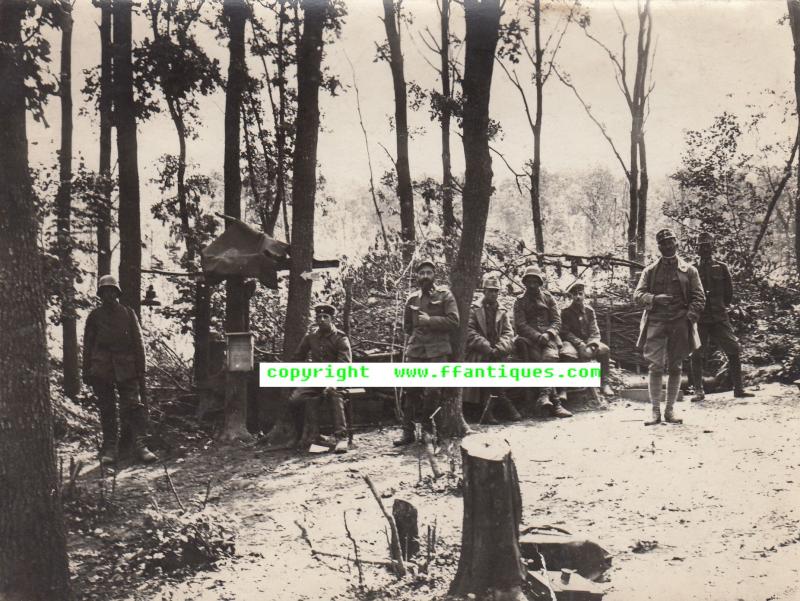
<point x="490" y="338"/>
<point x="429" y="318"/>
<point x="672" y="294"/>
<point x="114" y="366"/>
<point x="537" y="322"/>
<point x="714" y="324"/>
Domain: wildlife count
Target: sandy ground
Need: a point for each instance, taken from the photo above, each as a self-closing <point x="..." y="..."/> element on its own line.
<point x="718" y="496"/>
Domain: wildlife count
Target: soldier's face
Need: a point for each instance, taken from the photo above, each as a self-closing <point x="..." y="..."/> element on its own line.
<point x="490" y="295"/>
<point x="705" y="250"/>
<point x="425" y="276"/>
<point x="324" y="322"/>
<point x="578" y="297"/>
<point x="667" y="247"/>
<point x="532" y="283"/>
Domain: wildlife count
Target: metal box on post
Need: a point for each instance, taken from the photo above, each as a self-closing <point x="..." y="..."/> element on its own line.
<point x="239" y="346"/>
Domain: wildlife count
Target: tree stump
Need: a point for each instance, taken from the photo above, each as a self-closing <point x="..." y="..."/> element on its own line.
<point x="490" y="554"/>
<point x="405" y="516"/>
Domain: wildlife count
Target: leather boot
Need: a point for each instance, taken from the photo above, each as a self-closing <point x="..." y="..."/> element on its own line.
<point x="735" y="366"/>
<point x="543" y="404"/>
<point x="656" y="419"/>
<point x="109" y="425"/>
<point x="558" y="410"/>
<point x="697" y="377"/>
<point x="142" y="453"/>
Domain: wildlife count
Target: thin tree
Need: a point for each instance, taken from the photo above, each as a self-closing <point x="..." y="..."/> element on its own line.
<point x="69" y="318"/>
<point x="106" y="125"/>
<point x="304" y="176"/>
<point x="637" y="95"/>
<point x="33" y="551"/>
<point x="482" y="31"/>
<point x="794" y="22"/>
<point x="235" y="14"/>
<point x="542" y="58"/>
<point x="130" y="231"/>
<point x="394" y="56"/>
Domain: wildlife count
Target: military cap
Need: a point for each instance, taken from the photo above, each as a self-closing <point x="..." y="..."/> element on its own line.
<point x="575" y="287"/>
<point x="325" y="308"/>
<point x="533" y="271"/>
<point x="664" y="234"/>
<point x="108" y="281"/>
<point x="491" y="282"/>
<point x="423" y="262"/>
<point x="705" y="238"/>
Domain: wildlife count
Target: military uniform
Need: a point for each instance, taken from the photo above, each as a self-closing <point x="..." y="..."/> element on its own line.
<point x="578" y="330"/>
<point x="714" y="323"/>
<point x="321" y="347"/>
<point x="429" y="343"/>
<point x="668" y="331"/>
<point x="114" y="365"/>
<point x="490" y="337"/>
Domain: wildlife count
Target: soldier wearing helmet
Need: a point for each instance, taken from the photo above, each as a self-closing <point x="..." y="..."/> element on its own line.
<point x="537" y="322"/>
<point x="429" y="318"/>
<point x="714" y="324"/>
<point x="489" y="338"/>
<point x="672" y="294"/>
<point x="114" y="360"/>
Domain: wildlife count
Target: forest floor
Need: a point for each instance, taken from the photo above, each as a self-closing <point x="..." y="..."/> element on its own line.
<point x="708" y="510"/>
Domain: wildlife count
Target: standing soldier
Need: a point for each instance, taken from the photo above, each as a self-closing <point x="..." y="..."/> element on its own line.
<point x="430" y="316"/>
<point x="489" y="338"/>
<point x="113" y="357"/>
<point x="672" y="294"/>
<point x="714" y="323"/>
<point x="325" y="344"/>
<point x="581" y="336"/>
<point x="537" y="322"/>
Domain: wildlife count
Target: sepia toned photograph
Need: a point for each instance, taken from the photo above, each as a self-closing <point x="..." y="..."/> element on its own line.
<point x="408" y="300"/>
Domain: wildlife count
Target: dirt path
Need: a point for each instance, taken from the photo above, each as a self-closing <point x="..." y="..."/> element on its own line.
<point x="719" y="496"/>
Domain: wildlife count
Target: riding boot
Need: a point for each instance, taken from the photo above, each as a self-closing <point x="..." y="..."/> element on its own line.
<point x="109" y="425"/>
<point x="697" y="376"/>
<point x="735" y="366"/>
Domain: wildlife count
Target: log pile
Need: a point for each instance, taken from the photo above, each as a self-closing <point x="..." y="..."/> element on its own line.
<point x="619" y="327"/>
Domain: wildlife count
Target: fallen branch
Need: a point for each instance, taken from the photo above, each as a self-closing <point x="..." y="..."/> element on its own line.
<point x="396" y="553"/>
<point x="355" y="550"/>
<point x="172" y="487"/>
<point x="315" y="552"/>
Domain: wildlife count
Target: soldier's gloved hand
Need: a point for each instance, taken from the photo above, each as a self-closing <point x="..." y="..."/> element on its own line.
<point x="544" y="339"/>
<point x="662" y="299"/>
<point x="423" y="318"/>
<point x="486" y="347"/>
<point x="592" y="348"/>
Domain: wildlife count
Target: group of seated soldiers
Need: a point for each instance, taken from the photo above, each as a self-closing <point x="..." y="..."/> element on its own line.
<point x="538" y="332"/>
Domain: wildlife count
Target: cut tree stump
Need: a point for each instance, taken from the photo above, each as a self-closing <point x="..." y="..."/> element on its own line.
<point x="490" y="553"/>
<point x="405" y="516"/>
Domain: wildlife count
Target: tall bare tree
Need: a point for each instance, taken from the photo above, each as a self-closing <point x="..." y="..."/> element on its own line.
<point x="130" y="229"/>
<point x="33" y="551"/>
<point x="482" y="31"/>
<point x="235" y="14"/>
<point x="304" y="175"/>
<point x="105" y="109"/>
<point x="392" y="23"/>
<point x="541" y="56"/>
<point x="636" y="89"/>
<point x="69" y="318"/>
<point x="794" y="22"/>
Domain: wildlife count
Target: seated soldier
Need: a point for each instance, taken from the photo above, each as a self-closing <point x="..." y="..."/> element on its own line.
<point x="538" y="323"/>
<point x="581" y="337"/>
<point x="323" y="344"/>
<point x="489" y="338"/>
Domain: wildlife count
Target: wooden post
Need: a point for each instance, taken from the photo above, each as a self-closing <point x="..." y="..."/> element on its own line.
<point x="490" y="554"/>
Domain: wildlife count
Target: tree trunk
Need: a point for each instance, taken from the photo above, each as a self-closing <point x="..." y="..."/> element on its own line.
<point x="405" y="516"/>
<point x="633" y="195"/>
<point x="536" y="168"/>
<point x="404" y="191"/>
<point x="304" y="176"/>
<point x="104" y="208"/>
<point x="69" y="328"/>
<point x="483" y="23"/>
<point x="490" y="554"/>
<point x="236" y="301"/>
<point x="280" y="134"/>
<point x="794" y="22"/>
<point x="448" y="217"/>
<point x="130" y="231"/>
<point x="33" y="554"/>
